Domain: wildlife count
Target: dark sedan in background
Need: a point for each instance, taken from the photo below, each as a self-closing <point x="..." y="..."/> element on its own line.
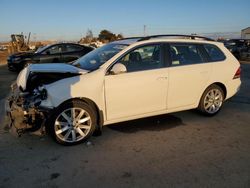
<point x="238" y="47"/>
<point x="55" y="53"/>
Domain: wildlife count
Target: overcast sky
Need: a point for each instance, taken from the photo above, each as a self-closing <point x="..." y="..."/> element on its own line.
<point x="70" y="19"/>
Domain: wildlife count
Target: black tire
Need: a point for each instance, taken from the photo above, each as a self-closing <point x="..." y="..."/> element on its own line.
<point x="202" y="107"/>
<point x="64" y="107"/>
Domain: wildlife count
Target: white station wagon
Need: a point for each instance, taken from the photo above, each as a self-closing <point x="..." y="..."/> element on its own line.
<point x="124" y="80"/>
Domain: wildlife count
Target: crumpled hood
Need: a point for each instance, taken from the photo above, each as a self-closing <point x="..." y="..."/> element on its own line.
<point x="52" y="68"/>
<point x="55" y="67"/>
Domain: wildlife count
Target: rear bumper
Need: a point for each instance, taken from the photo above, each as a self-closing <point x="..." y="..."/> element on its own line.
<point x="233" y="87"/>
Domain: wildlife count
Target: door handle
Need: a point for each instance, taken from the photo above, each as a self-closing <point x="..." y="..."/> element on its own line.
<point x="162" y="78"/>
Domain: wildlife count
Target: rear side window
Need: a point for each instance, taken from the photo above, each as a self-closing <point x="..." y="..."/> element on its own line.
<point x="53" y="50"/>
<point x="185" y="54"/>
<point x="73" y="48"/>
<point x="214" y="52"/>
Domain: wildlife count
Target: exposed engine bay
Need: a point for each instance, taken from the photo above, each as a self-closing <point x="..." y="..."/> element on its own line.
<point x="23" y="105"/>
<point x="22" y="109"/>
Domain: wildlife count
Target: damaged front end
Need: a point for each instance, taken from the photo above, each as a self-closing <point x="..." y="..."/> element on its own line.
<point x="23" y="110"/>
<point x="23" y="107"/>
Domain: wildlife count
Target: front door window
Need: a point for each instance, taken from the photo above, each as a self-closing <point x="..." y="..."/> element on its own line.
<point x="143" y="58"/>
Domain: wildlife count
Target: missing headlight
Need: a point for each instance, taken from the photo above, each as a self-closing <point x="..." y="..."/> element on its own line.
<point x="40" y="93"/>
<point x="43" y="94"/>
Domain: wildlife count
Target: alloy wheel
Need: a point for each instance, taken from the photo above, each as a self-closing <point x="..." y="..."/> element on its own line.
<point x="72" y="125"/>
<point x="213" y="101"/>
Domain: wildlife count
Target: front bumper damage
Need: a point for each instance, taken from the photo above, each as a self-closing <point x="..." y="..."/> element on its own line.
<point x="24" y="113"/>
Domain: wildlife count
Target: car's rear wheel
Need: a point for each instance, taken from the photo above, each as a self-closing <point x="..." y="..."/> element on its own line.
<point x="211" y="100"/>
<point x="73" y="122"/>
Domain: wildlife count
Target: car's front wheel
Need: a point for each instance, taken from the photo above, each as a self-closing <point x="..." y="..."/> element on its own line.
<point x="211" y="100"/>
<point x="73" y="122"/>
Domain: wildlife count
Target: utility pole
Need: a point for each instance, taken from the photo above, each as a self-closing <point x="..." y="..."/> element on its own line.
<point x="144" y="30"/>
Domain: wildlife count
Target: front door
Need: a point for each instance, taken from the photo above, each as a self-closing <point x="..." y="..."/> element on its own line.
<point x="142" y="89"/>
<point x="51" y="55"/>
<point x="71" y="52"/>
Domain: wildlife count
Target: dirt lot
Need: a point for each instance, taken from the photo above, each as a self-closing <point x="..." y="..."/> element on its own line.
<point x="178" y="150"/>
<point x="3" y="57"/>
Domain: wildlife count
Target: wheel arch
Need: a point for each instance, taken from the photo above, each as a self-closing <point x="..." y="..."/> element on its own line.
<point x="91" y="103"/>
<point x="221" y="85"/>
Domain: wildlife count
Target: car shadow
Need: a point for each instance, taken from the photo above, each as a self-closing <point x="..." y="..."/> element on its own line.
<point x="155" y="123"/>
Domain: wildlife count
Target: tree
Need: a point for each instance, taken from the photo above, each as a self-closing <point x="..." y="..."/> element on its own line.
<point x="89" y="37"/>
<point x="89" y="34"/>
<point x="106" y="36"/>
<point x="119" y="36"/>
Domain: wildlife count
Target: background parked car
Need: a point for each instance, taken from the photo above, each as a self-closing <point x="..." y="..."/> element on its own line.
<point x="237" y="46"/>
<point x="56" y="53"/>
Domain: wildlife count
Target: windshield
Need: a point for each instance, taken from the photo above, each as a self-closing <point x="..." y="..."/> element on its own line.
<point x="93" y="60"/>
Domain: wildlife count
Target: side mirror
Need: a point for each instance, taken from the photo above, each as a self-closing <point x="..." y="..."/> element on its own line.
<point x="48" y="52"/>
<point x="118" y="68"/>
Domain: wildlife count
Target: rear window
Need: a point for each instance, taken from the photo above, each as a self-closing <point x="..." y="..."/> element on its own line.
<point x="185" y="54"/>
<point x="73" y="48"/>
<point x="214" y="52"/>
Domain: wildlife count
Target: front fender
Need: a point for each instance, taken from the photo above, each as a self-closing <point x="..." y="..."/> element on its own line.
<point x="88" y="86"/>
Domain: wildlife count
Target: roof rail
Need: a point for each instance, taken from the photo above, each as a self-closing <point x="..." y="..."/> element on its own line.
<point x="139" y="38"/>
<point x="194" y="37"/>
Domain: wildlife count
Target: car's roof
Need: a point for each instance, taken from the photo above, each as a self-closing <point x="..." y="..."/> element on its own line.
<point x="64" y="43"/>
<point x="60" y="43"/>
<point x="127" y="41"/>
<point x="156" y="40"/>
<point x="164" y="38"/>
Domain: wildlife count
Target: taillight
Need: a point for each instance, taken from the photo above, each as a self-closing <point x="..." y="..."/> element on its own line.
<point x="237" y="74"/>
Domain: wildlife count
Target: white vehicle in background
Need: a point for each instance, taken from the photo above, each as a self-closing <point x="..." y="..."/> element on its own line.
<point x="124" y="80"/>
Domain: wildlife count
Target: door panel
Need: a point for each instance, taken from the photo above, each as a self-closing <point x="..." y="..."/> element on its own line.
<point x="186" y="83"/>
<point x="71" y="52"/>
<point x="188" y="74"/>
<point x="53" y="58"/>
<point x="136" y="93"/>
<point x="68" y="57"/>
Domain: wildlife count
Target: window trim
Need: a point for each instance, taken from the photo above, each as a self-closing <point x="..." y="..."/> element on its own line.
<point x="163" y="53"/>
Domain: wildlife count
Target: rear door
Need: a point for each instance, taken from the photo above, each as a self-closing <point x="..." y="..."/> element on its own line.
<point x="188" y="74"/>
<point x="71" y="52"/>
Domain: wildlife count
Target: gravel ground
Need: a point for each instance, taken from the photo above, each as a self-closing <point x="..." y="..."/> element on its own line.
<point x="177" y="150"/>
